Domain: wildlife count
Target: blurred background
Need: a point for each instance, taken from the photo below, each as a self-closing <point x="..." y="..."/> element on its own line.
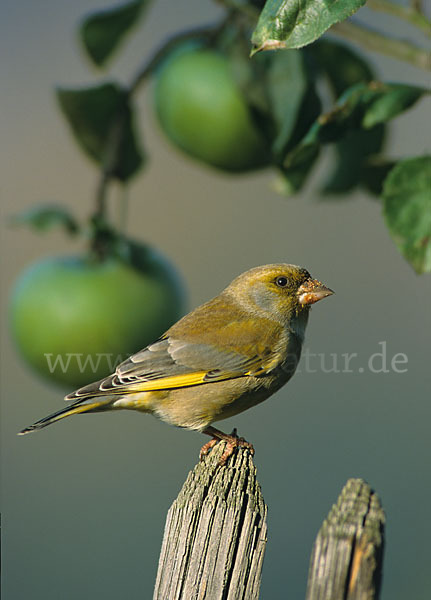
<point x="84" y="502"/>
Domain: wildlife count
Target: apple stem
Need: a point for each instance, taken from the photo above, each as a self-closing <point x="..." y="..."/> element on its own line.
<point x="117" y="128"/>
<point x="112" y="151"/>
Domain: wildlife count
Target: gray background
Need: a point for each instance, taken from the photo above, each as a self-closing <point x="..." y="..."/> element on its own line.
<point x="84" y="502"/>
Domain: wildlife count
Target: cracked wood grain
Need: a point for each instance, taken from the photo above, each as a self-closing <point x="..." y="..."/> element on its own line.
<point x="215" y="533"/>
<point x="347" y="557"/>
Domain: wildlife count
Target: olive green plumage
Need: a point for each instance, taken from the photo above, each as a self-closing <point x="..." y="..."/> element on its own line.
<point x="222" y="358"/>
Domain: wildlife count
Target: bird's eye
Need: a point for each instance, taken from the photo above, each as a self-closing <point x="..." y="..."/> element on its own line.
<point x="282" y="281"/>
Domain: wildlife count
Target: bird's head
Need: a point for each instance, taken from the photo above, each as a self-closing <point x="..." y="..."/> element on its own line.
<point x="281" y="291"/>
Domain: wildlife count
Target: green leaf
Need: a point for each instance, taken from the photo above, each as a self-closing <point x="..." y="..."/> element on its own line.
<point x="286" y="85"/>
<point x="102" y="31"/>
<point x="292" y="177"/>
<point x="407" y="210"/>
<point x="387" y="101"/>
<point x="352" y="153"/>
<point x="310" y="109"/>
<point x="101" y="120"/>
<point x="361" y="106"/>
<point x="46" y="217"/>
<point x="342" y="66"/>
<point x="296" y="23"/>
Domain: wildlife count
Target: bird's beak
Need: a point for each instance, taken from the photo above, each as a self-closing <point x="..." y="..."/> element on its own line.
<point x="312" y="291"/>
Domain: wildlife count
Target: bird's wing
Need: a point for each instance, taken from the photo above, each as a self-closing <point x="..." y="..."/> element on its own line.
<point x="172" y="363"/>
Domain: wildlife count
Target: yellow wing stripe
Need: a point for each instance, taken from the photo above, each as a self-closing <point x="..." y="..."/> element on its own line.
<point x="165" y="383"/>
<point x="179" y="381"/>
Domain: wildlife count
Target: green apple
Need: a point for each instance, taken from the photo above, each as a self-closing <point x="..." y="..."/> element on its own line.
<point x="202" y="111"/>
<point x="74" y="319"/>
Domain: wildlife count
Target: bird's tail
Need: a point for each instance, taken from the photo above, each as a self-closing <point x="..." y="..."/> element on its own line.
<point x="74" y="409"/>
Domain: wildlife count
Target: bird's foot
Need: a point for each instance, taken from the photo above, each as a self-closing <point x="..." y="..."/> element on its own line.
<point x="232" y="442"/>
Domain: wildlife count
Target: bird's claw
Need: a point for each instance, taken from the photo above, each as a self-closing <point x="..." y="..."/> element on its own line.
<point x="232" y="442"/>
<point x="206" y="448"/>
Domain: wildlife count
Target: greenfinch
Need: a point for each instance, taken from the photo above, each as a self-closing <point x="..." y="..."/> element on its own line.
<point x="225" y="356"/>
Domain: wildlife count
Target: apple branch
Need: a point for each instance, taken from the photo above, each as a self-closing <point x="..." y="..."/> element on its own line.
<point x="377" y="42"/>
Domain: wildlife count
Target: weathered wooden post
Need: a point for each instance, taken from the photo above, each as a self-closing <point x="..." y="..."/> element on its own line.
<point x="215" y="533"/>
<point x="346" y="562"/>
